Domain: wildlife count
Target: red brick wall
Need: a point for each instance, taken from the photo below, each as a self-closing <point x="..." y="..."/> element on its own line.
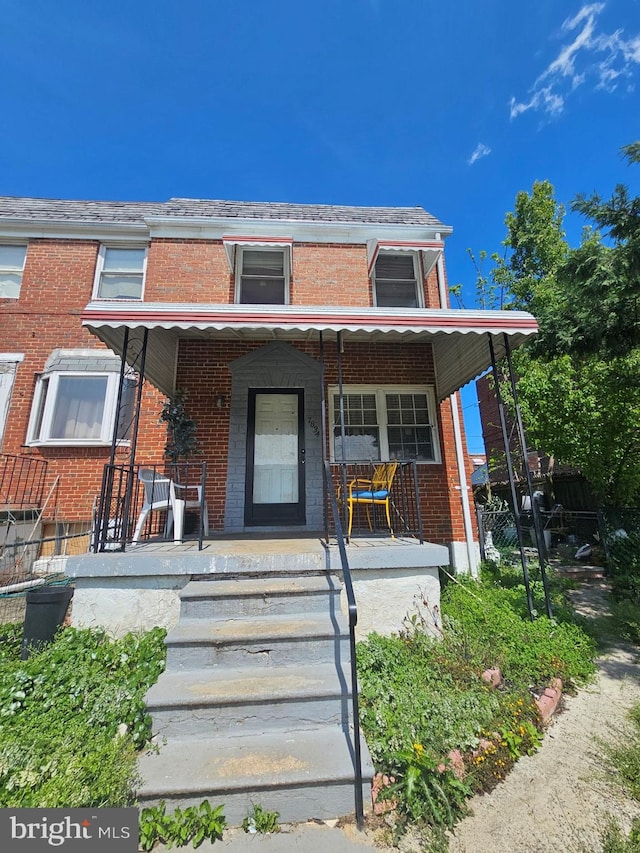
<point x="322" y="274"/>
<point x="57" y="284"/>
<point x="188" y="271"/>
<point x="203" y="372"/>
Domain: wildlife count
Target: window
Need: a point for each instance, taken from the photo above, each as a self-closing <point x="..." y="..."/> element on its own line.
<point x="77" y="409"/>
<point x="263" y="277"/>
<point x="395" y="283"/>
<point x="120" y="273"/>
<point x="11" y="266"/>
<point x="385" y="423"/>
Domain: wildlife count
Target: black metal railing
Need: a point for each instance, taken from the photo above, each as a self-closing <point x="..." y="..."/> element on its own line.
<point x="139" y="502"/>
<point x="353" y="620"/>
<point x="21" y="481"/>
<point x="369" y="516"/>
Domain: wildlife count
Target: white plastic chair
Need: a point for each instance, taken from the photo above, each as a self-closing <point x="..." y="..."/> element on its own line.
<point x="181" y="502"/>
<point x="158" y="495"/>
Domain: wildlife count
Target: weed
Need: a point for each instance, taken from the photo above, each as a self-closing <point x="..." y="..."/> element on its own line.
<point x="192" y="825"/>
<point x="624" y="755"/>
<point x="261" y="820"/>
<point x="426" y="790"/>
<point x="421" y="698"/>
<point x="614" y="841"/>
<point x="72" y="717"/>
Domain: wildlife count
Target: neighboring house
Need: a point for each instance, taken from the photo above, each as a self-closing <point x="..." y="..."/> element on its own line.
<point x="58" y="382"/>
<point x="277" y="320"/>
<point x="561" y="483"/>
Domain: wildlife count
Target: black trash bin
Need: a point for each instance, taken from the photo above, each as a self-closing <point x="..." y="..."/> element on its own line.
<point x="46" y="609"/>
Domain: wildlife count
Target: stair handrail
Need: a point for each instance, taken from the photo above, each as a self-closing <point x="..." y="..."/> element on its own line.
<point x="353" y="620"/>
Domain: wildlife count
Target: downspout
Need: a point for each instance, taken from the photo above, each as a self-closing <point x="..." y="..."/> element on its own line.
<point x="457" y="437"/>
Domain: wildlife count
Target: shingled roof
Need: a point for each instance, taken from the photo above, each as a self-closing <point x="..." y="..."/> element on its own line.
<point x="130" y="212"/>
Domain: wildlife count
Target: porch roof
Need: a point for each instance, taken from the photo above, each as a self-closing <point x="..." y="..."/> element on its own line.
<point x="458" y="337"/>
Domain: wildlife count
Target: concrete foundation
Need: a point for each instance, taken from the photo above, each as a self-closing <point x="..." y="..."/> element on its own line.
<point x="139" y="589"/>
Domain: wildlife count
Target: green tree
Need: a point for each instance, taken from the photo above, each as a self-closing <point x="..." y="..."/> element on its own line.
<point x="579" y="380"/>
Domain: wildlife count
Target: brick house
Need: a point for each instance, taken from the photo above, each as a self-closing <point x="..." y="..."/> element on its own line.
<point x="333" y="323"/>
<point x="315" y="345"/>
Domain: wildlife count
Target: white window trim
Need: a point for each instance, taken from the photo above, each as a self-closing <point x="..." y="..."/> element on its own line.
<point x="417" y="271"/>
<point x="286" y="256"/>
<point x="381" y="409"/>
<point x="100" y="268"/>
<point x="11" y="269"/>
<point x="12" y="359"/>
<point x="108" y="416"/>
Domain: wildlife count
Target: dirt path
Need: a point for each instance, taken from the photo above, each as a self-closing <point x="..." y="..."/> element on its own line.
<point x="560" y="798"/>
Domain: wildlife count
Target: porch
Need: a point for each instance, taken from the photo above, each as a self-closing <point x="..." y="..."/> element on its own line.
<point x="139" y="588"/>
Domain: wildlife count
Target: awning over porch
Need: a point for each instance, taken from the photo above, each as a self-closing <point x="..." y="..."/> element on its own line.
<point x="458" y="337"/>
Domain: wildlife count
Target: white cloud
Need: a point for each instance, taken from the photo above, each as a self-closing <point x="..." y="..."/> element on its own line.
<point x="480" y="152"/>
<point x="602" y="60"/>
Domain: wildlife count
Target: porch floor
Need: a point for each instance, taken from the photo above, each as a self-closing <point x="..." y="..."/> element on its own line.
<point x="296" y="550"/>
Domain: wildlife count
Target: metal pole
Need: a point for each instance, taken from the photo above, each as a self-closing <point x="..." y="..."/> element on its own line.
<point x="323" y="429"/>
<point x="512" y="484"/>
<point x="343" y="467"/>
<point x="537" y="523"/>
<point x="123" y="367"/>
<point x="134" y="439"/>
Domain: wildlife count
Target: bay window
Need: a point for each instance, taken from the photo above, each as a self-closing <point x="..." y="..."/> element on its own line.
<point x="79" y="409"/>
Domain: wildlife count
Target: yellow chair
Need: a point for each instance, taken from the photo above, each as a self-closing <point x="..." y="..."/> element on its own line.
<point x="372" y="492"/>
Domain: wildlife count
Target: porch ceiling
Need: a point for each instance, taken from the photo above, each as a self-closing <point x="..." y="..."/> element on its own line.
<point x="459" y="338"/>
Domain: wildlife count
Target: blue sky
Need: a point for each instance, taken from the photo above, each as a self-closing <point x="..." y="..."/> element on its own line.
<point x="453" y="106"/>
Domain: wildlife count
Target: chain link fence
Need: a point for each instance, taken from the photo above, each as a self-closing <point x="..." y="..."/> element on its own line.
<point x="569" y="536"/>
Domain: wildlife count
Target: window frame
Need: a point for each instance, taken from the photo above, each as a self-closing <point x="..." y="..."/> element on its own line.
<point x="97" y="281"/>
<point x="286" y="269"/>
<point x="15" y="270"/>
<point x="43" y="408"/>
<point x="380" y="392"/>
<point x="417" y="272"/>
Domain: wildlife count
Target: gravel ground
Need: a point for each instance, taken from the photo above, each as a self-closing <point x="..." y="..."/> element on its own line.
<point x="560" y="798"/>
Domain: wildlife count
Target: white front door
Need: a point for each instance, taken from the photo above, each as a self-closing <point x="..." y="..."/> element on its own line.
<point x="275" y="461"/>
<point x="275" y="458"/>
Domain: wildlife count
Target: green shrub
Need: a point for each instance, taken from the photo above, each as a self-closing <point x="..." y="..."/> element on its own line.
<point x="485" y="625"/>
<point x="421" y="698"/>
<point x="72" y="717"/>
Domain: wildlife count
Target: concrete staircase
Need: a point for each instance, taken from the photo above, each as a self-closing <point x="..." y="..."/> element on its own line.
<point x="254" y="706"/>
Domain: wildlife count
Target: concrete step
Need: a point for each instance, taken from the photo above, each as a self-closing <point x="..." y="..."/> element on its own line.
<point x="302" y="775"/>
<point x="258" y="641"/>
<point x="249" y="596"/>
<point x="216" y="700"/>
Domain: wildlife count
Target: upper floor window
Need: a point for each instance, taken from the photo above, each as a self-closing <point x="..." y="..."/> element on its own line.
<point x="263" y="276"/>
<point x="12" y="259"/>
<point x="385" y="423"/>
<point x="120" y="272"/>
<point x="395" y="280"/>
